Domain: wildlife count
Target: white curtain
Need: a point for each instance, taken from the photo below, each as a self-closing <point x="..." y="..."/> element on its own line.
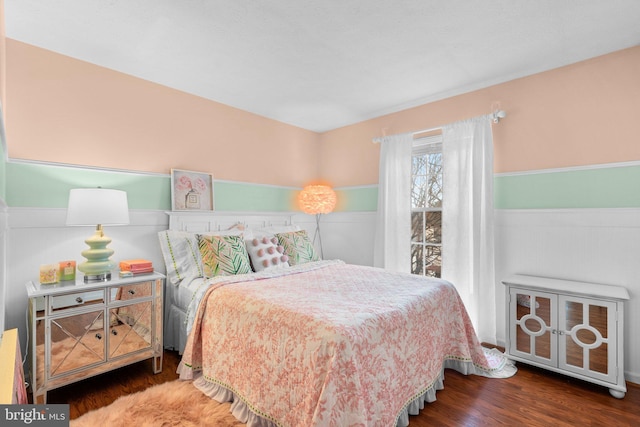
<point x="392" y="247"/>
<point x="467" y="219"/>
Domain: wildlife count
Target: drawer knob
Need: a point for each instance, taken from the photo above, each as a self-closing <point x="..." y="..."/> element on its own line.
<point x="114" y="332"/>
<point x="132" y="292"/>
<point x="99" y="336"/>
<point x="79" y="300"/>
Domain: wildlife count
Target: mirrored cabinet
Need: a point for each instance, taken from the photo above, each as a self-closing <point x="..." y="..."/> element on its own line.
<point x="574" y="328"/>
<point x="78" y="330"/>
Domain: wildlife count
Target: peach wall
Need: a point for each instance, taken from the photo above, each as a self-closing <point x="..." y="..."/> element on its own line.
<point x="68" y="111"/>
<point x="3" y="56"/>
<point x="582" y="114"/>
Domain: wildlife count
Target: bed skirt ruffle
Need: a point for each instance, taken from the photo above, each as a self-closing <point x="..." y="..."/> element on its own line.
<point x="174" y="337"/>
<point x="504" y="368"/>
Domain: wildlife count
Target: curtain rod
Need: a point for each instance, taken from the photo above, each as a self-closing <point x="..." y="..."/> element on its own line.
<point x="495" y="116"/>
<point x="418" y="132"/>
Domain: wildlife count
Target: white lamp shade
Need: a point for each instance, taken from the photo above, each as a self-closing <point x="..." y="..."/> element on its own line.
<point x="93" y="206"/>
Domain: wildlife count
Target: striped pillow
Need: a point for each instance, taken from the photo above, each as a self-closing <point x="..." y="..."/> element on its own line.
<point x="181" y="255"/>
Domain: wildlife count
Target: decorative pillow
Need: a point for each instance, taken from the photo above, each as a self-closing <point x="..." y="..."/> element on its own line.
<point x="181" y="255"/>
<point x="224" y="255"/>
<point x="266" y="253"/>
<point x="298" y="247"/>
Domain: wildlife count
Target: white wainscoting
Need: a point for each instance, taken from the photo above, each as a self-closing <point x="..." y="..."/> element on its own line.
<point x="38" y="236"/>
<point x="199" y="222"/>
<point x="348" y="236"/>
<point x="590" y="245"/>
<point x="345" y="235"/>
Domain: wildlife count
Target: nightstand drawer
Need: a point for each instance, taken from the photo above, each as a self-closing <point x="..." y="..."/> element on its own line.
<point x="132" y="291"/>
<point x="75" y="300"/>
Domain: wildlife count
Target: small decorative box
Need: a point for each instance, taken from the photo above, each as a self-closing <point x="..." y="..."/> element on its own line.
<point x="49" y="273"/>
<point x="67" y="270"/>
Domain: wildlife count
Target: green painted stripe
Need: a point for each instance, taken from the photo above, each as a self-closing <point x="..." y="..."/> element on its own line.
<point x="3" y="159"/>
<point x="614" y="187"/>
<point x="357" y="199"/>
<point x="590" y="187"/>
<point x="45" y="185"/>
<point x="3" y="176"/>
<point x="41" y="185"/>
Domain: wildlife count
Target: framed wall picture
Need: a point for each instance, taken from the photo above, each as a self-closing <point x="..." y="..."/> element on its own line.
<point x="191" y="191"/>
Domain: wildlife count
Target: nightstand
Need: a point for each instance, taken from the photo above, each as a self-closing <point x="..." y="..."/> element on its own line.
<point x="78" y="330"/>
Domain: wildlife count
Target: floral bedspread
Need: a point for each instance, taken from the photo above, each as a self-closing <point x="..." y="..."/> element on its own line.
<point x="328" y="343"/>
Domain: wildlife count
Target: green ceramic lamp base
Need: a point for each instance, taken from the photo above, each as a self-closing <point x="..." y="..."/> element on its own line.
<point x="98" y="266"/>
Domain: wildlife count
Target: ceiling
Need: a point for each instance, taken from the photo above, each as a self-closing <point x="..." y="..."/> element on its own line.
<point x="325" y="64"/>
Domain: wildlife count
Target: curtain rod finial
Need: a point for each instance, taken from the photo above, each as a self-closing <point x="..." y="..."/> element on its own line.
<point x="499" y="114"/>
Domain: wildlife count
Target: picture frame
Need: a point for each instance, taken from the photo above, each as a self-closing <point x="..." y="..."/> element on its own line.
<point x="191" y="191"/>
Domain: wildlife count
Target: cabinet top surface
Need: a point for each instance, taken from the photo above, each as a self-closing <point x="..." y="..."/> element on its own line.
<point x="567" y="286"/>
<point x="36" y="289"/>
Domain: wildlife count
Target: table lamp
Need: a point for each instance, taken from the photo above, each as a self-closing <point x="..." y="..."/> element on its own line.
<point x="97" y="207"/>
<point x="317" y="200"/>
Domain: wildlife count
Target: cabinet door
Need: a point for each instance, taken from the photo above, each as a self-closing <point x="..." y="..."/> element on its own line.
<point x="587" y="337"/>
<point x="77" y="342"/>
<point x="532" y="317"/>
<point x="130" y="329"/>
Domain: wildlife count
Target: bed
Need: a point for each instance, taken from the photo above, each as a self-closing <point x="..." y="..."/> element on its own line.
<point x="179" y="246"/>
<point x="322" y="342"/>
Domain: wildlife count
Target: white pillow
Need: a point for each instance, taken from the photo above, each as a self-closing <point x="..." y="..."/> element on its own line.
<point x="265" y="253"/>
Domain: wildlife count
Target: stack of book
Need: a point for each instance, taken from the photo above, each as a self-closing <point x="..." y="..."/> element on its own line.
<point x="134" y="267"/>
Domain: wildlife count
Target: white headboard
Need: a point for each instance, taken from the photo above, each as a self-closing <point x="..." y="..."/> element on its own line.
<point x="201" y="222"/>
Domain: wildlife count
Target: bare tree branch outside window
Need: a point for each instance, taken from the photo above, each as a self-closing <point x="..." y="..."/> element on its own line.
<point x="426" y="213"/>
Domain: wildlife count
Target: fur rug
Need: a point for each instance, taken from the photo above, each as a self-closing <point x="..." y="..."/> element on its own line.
<point x="174" y="403"/>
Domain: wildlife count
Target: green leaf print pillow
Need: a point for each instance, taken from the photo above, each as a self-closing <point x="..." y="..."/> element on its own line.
<point x="223" y="255"/>
<point x="298" y="247"/>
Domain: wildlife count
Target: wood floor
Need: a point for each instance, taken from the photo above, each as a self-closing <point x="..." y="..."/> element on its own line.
<point x="533" y="397"/>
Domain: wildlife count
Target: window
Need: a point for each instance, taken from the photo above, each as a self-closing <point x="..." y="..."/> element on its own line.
<point x="426" y="206"/>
